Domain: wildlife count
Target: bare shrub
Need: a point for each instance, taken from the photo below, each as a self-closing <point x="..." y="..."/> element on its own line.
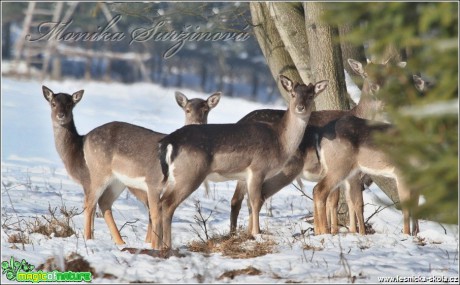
<point x="19" y="237"/>
<point x="54" y="226"/>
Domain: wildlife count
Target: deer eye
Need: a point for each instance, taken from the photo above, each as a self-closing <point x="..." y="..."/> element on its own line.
<point x="53" y="104"/>
<point x="187" y="111"/>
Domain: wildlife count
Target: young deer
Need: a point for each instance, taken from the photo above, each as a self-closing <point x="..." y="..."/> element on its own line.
<point x="307" y="162"/>
<point x="251" y="152"/>
<point x="354" y="195"/>
<point x="353" y="149"/>
<point x="109" y="158"/>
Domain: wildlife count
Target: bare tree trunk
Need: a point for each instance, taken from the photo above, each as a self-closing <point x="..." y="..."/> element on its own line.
<point x="278" y="59"/>
<point x="289" y="20"/>
<point x="6" y="40"/>
<point x="351" y="51"/>
<point x="326" y="58"/>
<point x="326" y="63"/>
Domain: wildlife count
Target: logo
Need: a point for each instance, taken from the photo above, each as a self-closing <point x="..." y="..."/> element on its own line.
<point x="23" y="272"/>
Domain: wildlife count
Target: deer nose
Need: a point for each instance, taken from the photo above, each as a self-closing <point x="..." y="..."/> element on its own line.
<point x="60" y="116"/>
<point x="300" y="108"/>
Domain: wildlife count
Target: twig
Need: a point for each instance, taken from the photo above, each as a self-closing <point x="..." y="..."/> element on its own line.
<point x="445" y="230"/>
<point x="128" y="223"/>
<point x="201" y="221"/>
<point x="302" y="192"/>
<point x="378" y="210"/>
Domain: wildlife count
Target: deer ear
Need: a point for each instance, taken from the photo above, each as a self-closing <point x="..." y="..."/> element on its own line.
<point x="320" y="86"/>
<point x="356" y="66"/>
<point x="419" y="83"/>
<point x="213" y="100"/>
<point x="401" y="64"/>
<point x="287" y="83"/>
<point x="47" y="93"/>
<point x="181" y="99"/>
<point x="76" y="97"/>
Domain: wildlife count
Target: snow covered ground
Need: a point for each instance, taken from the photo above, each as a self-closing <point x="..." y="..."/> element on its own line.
<point x="34" y="178"/>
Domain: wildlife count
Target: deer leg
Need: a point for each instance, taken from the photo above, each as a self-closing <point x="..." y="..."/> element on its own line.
<point x="320" y="193"/>
<point x="155" y="226"/>
<point x="207" y="189"/>
<point x="415" y="224"/>
<point x="300" y="183"/>
<point x="237" y="200"/>
<point x="89" y="212"/>
<point x="148" y="235"/>
<point x="269" y="188"/>
<point x="351" y="208"/>
<point x="141" y="195"/>
<point x="255" y="196"/>
<point x="105" y="203"/>
<point x="332" y="202"/>
<point x="250" y="224"/>
<point x="184" y="185"/>
<point x="355" y="203"/>
<point x="358" y="205"/>
<point x="404" y="198"/>
<point x="169" y="202"/>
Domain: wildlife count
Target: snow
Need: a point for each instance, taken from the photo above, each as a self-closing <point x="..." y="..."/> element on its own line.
<point x="34" y="178"/>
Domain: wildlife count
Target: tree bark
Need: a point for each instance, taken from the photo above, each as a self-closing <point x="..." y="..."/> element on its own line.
<point x="278" y="59"/>
<point x="326" y="63"/>
<point x="289" y="19"/>
<point x="351" y="51"/>
<point x="326" y="58"/>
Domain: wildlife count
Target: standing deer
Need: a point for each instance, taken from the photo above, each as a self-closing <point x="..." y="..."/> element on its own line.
<point x="354" y="149"/>
<point x="307" y="162"/>
<point x="111" y="157"/>
<point x="249" y="152"/>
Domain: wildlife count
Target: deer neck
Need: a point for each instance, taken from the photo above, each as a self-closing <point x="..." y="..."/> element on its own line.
<point x="367" y="106"/>
<point x="291" y="129"/>
<point x="69" y="145"/>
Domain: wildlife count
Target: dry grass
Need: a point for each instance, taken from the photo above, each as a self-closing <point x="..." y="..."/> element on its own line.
<point x="52" y="225"/>
<point x="312" y="247"/>
<point x="233" y="273"/>
<point x="19" y="237"/>
<point x="240" y="245"/>
<point x="55" y="226"/>
<point x="368" y="229"/>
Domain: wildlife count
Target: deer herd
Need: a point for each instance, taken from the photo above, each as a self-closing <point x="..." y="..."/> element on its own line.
<point x="264" y="151"/>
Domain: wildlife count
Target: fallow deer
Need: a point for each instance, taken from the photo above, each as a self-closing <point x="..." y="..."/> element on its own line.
<point x="109" y="158"/>
<point x="307" y="162"/>
<point x="353" y="149"/>
<point x="250" y="152"/>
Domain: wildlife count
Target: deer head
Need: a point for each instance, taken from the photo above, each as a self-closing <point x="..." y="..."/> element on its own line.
<point x="374" y="75"/>
<point x="301" y="99"/>
<point x="61" y="105"/>
<point x="197" y="110"/>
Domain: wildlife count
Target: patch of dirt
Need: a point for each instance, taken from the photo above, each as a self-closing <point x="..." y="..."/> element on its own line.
<point x="233" y="273"/>
<point x="154" y="253"/>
